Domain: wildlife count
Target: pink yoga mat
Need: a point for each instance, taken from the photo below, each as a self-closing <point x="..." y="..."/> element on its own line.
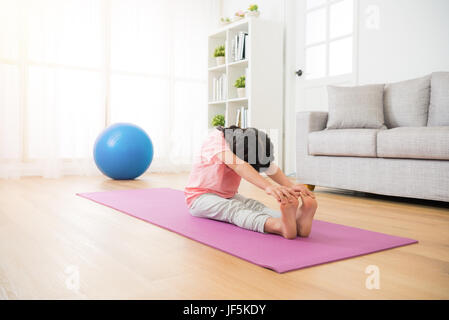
<point x="328" y="242"/>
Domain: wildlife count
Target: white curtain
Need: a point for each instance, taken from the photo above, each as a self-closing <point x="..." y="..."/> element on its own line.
<point x="68" y="68"/>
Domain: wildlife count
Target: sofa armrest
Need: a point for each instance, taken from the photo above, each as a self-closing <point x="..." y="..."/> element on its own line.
<point x="307" y="122"/>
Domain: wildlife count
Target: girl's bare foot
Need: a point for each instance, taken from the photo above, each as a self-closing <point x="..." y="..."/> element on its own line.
<point x="304" y="215"/>
<point x="288" y="219"/>
<point x="286" y="224"/>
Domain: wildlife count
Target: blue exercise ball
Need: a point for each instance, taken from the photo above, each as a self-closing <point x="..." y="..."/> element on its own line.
<point x="123" y="151"/>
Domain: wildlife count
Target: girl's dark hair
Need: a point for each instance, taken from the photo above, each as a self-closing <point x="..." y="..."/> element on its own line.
<point x="251" y="145"/>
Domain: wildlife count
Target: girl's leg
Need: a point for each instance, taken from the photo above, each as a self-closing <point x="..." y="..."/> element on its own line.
<point x="282" y="223"/>
<point x="304" y="215"/>
<point x="229" y="210"/>
<point x="257" y="205"/>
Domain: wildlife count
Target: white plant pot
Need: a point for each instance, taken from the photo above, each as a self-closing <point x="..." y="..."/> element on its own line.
<point x="241" y="92"/>
<point x="220" y="60"/>
<point x="252" y="13"/>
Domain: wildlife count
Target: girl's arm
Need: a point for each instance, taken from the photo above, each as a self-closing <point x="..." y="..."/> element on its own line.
<point x="247" y="172"/>
<point x="282" y="179"/>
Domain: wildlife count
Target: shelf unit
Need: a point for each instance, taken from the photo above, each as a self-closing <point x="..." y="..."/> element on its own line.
<point x="264" y="77"/>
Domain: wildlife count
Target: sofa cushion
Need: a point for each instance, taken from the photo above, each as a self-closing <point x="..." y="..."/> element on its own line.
<point x="356" y="107"/>
<point x="414" y="143"/>
<point x="439" y="100"/>
<point x="406" y="103"/>
<point x="343" y="142"/>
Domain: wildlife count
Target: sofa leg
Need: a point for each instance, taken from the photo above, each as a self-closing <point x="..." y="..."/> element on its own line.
<point x="311" y="187"/>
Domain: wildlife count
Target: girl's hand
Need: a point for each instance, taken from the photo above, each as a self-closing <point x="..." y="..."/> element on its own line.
<point x="303" y="190"/>
<point x="281" y="193"/>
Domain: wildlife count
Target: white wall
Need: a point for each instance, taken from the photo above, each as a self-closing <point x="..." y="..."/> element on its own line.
<point x="412" y="39"/>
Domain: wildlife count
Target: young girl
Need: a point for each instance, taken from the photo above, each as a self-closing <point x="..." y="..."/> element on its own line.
<point x="229" y="154"/>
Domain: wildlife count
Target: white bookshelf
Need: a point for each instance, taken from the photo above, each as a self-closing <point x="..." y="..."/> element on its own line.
<point x="264" y="66"/>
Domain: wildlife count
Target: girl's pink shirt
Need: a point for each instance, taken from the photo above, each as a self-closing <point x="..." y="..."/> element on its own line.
<point x="210" y="174"/>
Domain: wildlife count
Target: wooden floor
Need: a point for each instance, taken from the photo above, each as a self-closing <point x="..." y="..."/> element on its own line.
<point x="48" y="236"/>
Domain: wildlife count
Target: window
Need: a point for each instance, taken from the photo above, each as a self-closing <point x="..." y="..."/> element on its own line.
<point x="329" y="38"/>
<point x="70" y="67"/>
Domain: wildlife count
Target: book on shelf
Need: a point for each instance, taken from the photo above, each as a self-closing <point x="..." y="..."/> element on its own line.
<point x="216" y="89"/>
<point x="244" y="114"/>
<point x="237" y="118"/>
<point x="241" y="119"/>
<point x="217" y="85"/>
<point x="238" y="46"/>
<point x="224" y="87"/>
<point x="245" y="45"/>
<point x="219" y="88"/>
<point x="232" y="50"/>
<point x="241" y="45"/>
<point x="220" y="84"/>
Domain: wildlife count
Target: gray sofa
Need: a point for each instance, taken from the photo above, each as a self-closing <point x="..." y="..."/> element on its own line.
<point x="408" y="156"/>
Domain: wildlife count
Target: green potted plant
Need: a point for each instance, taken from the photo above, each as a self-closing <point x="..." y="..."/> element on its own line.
<point x="253" y="10"/>
<point x="225" y="21"/>
<point x="240" y="84"/>
<point x="219" y="55"/>
<point x="218" y="120"/>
